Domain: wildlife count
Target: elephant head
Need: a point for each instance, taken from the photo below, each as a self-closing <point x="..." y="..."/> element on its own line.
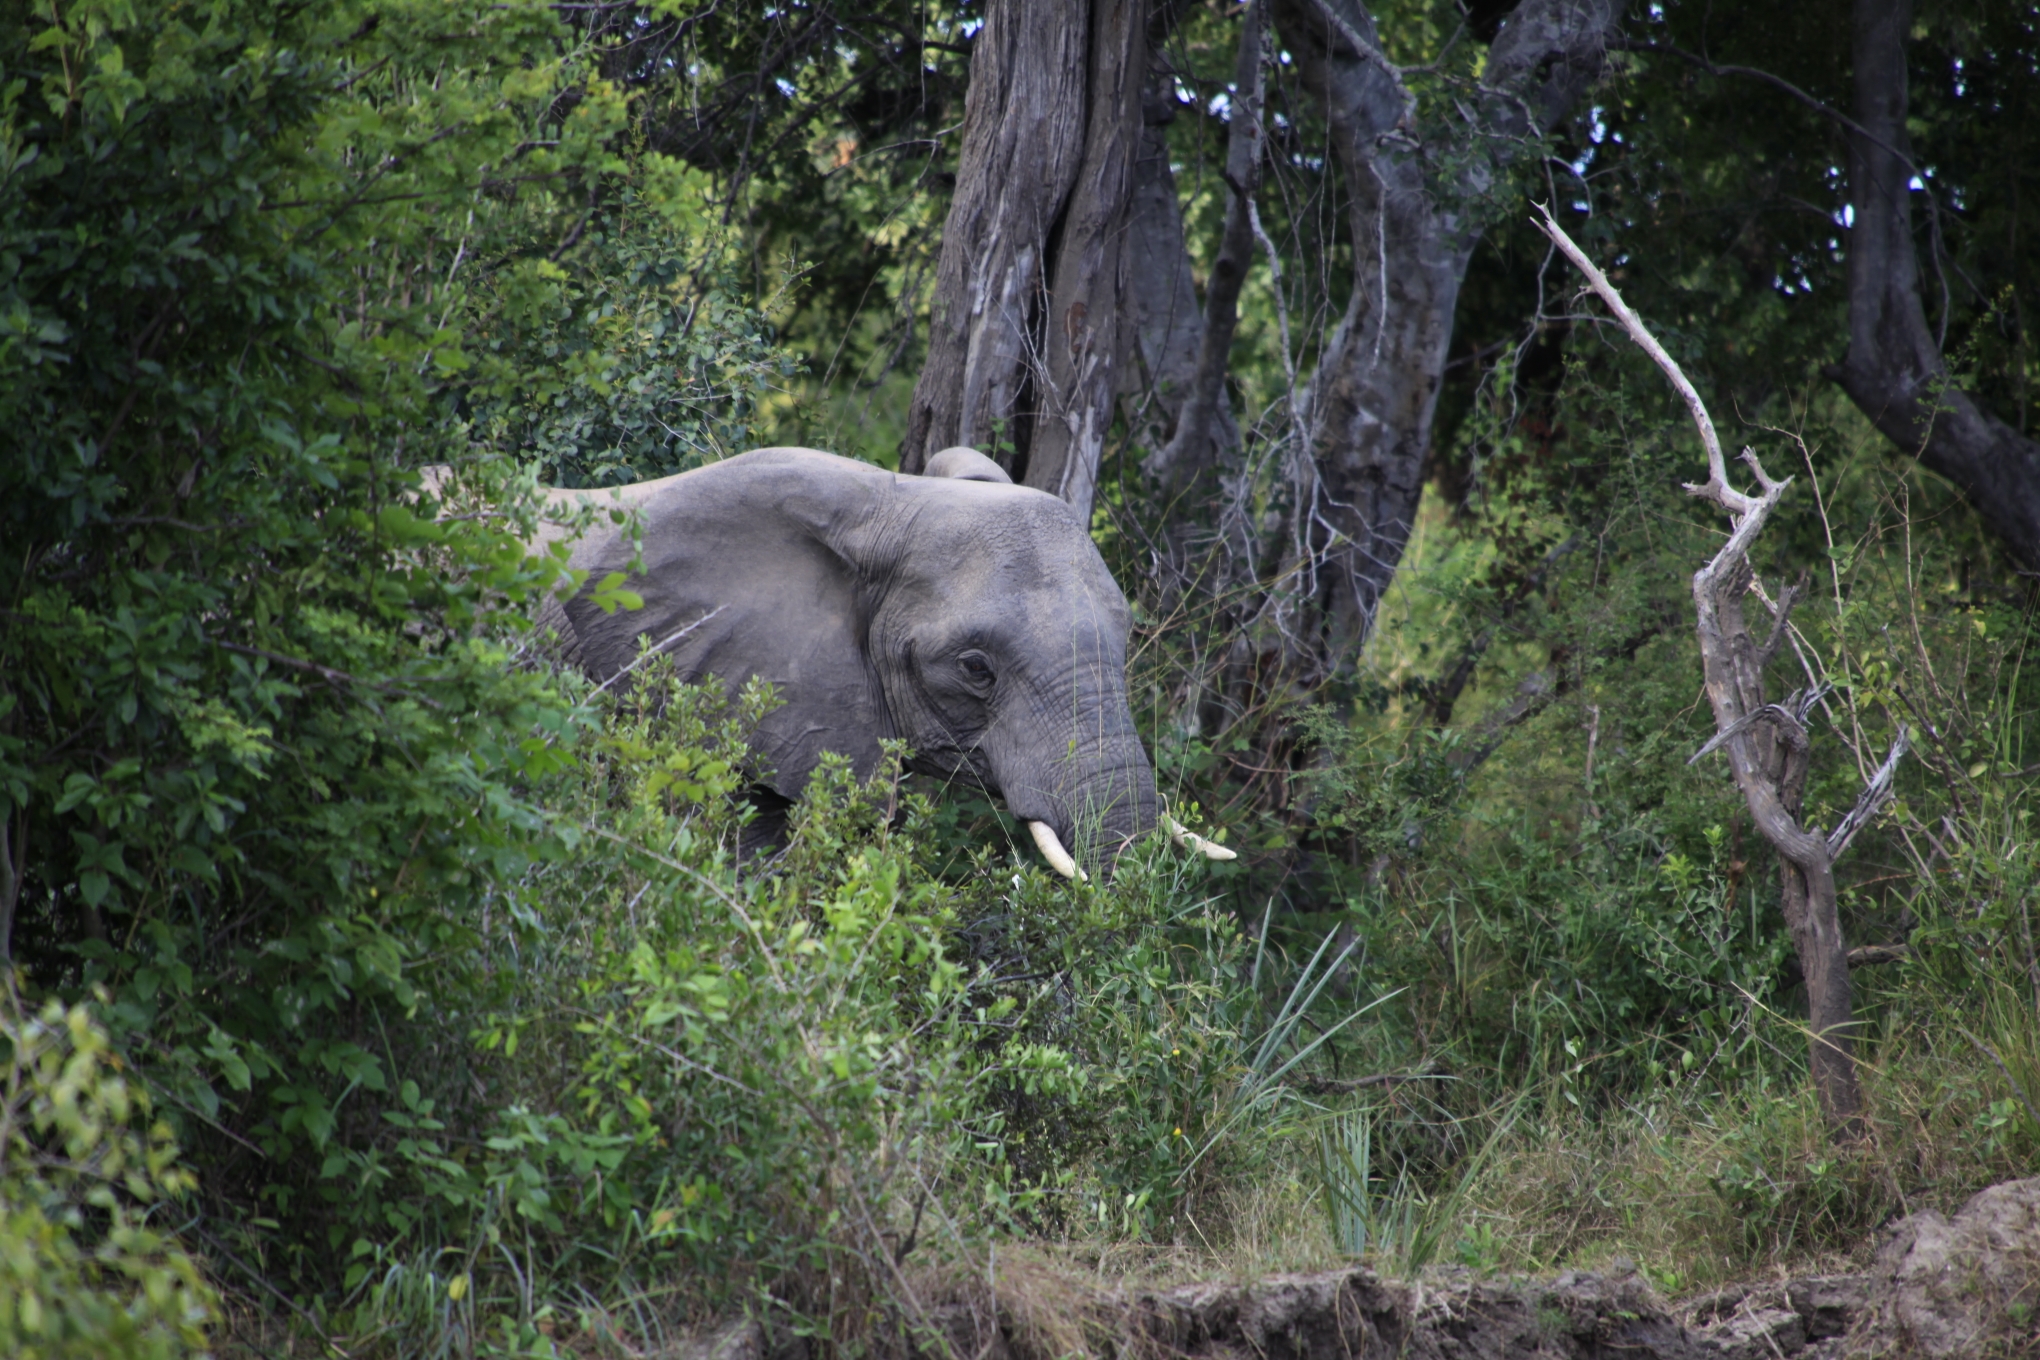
<point x="970" y="618"/>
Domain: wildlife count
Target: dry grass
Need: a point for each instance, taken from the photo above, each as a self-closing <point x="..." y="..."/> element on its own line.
<point x="1699" y="1190"/>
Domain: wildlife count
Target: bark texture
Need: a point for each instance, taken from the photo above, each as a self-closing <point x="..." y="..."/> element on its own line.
<point x="1085" y="335"/>
<point x="1203" y="428"/>
<point x="1028" y="337"/>
<point x="1894" y="370"/>
<point x="1168" y="324"/>
<point x="1023" y="137"/>
<point x="1367" y="414"/>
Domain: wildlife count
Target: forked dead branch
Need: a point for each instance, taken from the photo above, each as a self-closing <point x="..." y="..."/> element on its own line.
<point x="1768" y="744"/>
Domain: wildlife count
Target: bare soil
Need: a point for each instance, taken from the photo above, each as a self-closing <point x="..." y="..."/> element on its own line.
<point x="1942" y="1288"/>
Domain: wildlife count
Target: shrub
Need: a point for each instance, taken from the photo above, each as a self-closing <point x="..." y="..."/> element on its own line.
<point x="87" y="1270"/>
<point x="265" y="761"/>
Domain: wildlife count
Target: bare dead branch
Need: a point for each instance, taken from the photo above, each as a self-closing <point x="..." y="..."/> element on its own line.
<point x="1770" y="768"/>
<point x="1789" y="716"/>
<point x="1716" y="487"/>
<point x="1873" y="798"/>
<point x="1781" y="615"/>
<point x="651" y="652"/>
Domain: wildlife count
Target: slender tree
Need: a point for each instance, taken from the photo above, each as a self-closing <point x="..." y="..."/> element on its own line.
<point x="1895" y="370"/>
<point x="1415" y="193"/>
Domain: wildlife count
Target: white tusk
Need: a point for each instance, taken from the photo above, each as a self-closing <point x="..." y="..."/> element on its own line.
<point x="1052" y="850"/>
<point x="1190" y="840"/>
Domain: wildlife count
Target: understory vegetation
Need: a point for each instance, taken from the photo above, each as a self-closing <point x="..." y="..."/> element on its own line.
<point x="381" y="986"/>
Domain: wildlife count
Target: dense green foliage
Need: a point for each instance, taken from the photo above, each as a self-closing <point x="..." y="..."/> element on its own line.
<point x="440" y="968"/>
<point x="237" y="664"/>
<point x="87" y="1269"/>
<point x="262" y="759"/>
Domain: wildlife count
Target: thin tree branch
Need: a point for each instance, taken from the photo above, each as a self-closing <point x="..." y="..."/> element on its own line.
<point x="329" y="674"/>
<point x="651" y="652"/>
<point x="1818" y="105"/>
<point x="1873" y="798"/>
<point x="1374" y="57"/>
<point x="1716" y="487"/>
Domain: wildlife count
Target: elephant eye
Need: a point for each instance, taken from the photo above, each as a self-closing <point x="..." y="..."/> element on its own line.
<point x="976" y="667"/>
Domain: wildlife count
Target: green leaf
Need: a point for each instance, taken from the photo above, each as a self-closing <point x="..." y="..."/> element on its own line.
<point x="609" y="595"/>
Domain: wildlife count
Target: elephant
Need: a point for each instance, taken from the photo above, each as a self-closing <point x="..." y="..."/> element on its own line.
<point x="970" y="618"/>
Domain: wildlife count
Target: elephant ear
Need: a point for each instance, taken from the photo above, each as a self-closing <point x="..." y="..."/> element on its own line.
<point x="965" y="465"/>
<point x="752" y="569"/>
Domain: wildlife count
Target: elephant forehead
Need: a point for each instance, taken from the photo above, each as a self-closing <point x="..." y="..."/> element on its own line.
<point x="1036" y="588"/>
<point x="1059" y="619"/>
<point x="1022" y="543"/>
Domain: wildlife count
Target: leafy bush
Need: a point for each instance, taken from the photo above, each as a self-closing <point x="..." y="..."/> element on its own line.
<point x="638" y="361"/>
<point x="264" y="763"/>
<point x="87" y="1268"/>
<point x="725" y="1085"/>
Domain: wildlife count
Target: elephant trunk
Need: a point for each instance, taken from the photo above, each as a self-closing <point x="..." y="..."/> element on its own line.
<point x="1085" y="791"/>
<point x="1107" y="804"/>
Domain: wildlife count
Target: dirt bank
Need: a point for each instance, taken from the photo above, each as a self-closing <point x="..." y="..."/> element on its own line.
<point x="1943" y="1288"/>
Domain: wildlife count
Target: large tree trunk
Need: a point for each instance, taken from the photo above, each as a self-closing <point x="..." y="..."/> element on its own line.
<point x="1168" y="323"/>
<point x="1028" y="338"/>
<point x="1368" y="412"/>
<point x="1204" y="430"/>
<point x="1894" y="370"/>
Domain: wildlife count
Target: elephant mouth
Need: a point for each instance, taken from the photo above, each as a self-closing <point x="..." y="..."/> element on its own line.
<point x="1064" y="863"/>
<point x="968" y="768"/>
<point x="1122" y="817"/>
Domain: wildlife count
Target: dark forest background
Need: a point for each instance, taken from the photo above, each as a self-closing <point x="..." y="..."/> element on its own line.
<point x="380" y="987"/>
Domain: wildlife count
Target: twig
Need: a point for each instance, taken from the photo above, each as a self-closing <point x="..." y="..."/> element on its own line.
<point x="651" y="652"/>
<point x="281" y="1297"/>
<point x="1368" y="53"/>
<point x="2017" y="1089"/>
<point x="1873" y="798"/>
<point x="1829" y="111"/>
<point x="327" y="673"/>
<point x="1781" y="614"/>
<point x="1333" y="1086"/>
<point x="750" y="923"/>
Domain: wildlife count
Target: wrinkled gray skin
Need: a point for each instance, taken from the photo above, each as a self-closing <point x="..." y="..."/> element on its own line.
<point x="971" y="618"/>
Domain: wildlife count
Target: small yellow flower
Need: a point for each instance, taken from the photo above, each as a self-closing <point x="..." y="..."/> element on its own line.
<point x="1179" y="1131"/>
<point x="1175" y="1052"/>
